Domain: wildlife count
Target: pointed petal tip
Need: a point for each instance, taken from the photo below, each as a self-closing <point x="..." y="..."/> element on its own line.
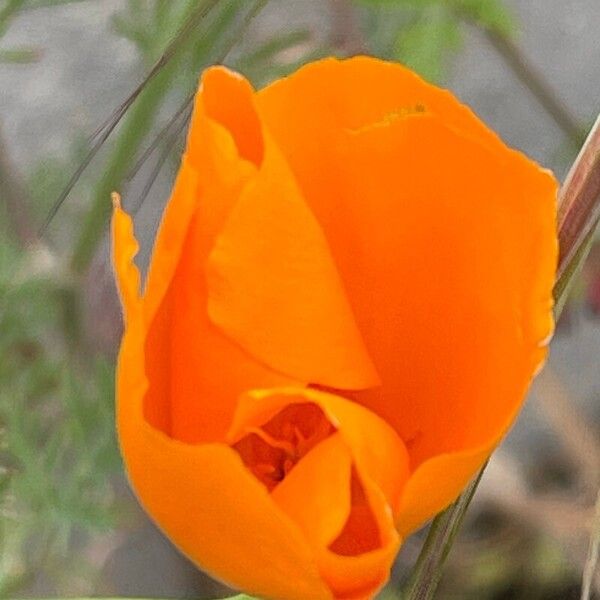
<point x="116" y="200"/>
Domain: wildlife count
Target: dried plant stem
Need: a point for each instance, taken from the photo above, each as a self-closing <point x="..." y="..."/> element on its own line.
<point x="579" y="208"/>
<point x="593" y="554"/>
<point x="578" y="215"/>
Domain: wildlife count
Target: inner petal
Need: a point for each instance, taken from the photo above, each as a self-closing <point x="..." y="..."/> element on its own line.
<point x="336" y="470"/>
<point x="361" y="531"/>
<point x="316" y="494"/>
<point x="378" y="454"/>
<point x="307" y="466"/>
<point x="274" y="288"/>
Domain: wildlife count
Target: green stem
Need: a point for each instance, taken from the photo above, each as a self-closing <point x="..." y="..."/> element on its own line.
<point x="440" y="538"/>
<point x="593" y="554"/>
<point x="578" y="216"/>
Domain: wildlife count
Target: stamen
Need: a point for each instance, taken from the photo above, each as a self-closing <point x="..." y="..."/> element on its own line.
<point x="272" y="450"/>
<point x="287" y="447"/>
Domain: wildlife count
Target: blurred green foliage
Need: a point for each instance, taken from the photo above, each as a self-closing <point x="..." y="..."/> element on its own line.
<point x="58" y="446"/>
<point x="425" y="34"/>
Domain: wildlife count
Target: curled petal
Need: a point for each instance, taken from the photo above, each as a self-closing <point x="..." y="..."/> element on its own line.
<point x="379" y="454"/>
<point x="326" y="472"/>
<point x="343" y="492"/>
<point x="274" y="288"/>
<point x="359" y="576"/>
<point x="194" y="372"/>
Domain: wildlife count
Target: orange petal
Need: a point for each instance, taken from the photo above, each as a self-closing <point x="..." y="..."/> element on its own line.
<point x="435" y="484"/>
<point x="351" y="94"/>
<point x="228" y="100"/>
<point x="445" y="241"/>
<point x="207" y="502"/>
<point x="195" y="378"/>
<point x="316" y="493"/>
<point x="458" y="347"/>
<point x="361" y="576"/>
<point x="446" y="247"/>
<point x="272" y="280"/>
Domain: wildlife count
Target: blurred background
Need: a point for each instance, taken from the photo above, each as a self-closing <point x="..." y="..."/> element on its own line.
<point x="68" y="523"/>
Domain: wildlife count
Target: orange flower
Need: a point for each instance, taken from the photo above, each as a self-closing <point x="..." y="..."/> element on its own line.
<point x="348" y="298"/>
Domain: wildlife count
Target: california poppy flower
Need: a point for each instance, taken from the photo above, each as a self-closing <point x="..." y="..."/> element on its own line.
<point x="348" y="297"/>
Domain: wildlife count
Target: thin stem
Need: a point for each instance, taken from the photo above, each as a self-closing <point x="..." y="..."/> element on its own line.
<point x="579" y="209"/>
<point x="164" y="155"/>
<point x="444" y="528"/>
<point x="593" y="554"/>
<point x="578" y="215"/>
<point x="103" y="132"/>
<point x="160" y="137"/>
<point x="537" y="85"/>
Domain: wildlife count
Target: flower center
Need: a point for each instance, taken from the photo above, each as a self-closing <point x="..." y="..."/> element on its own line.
<point x="272" y="450"/>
